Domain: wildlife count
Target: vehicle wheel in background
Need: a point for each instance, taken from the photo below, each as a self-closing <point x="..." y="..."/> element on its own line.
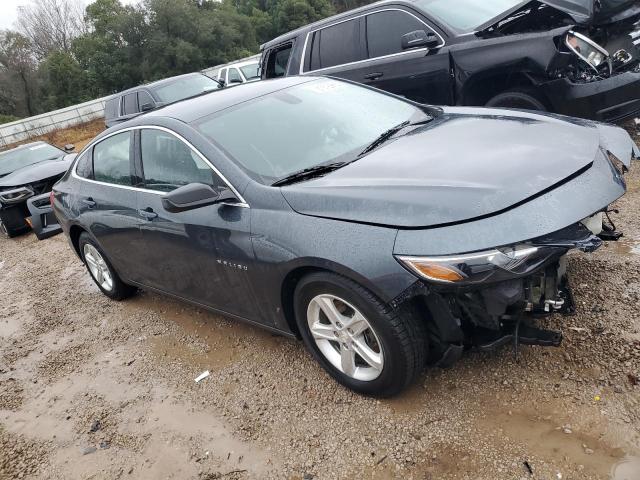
<point x="101" y="270"/>
<point x="6" y="231"/>
<point x="522" y="99"/>
<point x="363" y="344"/>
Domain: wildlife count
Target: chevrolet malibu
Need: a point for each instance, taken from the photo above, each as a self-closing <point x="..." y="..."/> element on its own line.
<point x="384" y="233"/>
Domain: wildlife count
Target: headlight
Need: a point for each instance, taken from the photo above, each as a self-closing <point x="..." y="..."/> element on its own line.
<point x="589" y="51"/>
<point x="16" y="195"/>
<point x="482" y="267"/>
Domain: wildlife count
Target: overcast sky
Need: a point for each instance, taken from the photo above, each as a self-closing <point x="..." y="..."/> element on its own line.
<point x="9" y="10"/>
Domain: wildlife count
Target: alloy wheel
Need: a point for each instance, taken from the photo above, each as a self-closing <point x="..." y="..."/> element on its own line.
<point x="345" y="337"/>
<point x="98" y="267"/>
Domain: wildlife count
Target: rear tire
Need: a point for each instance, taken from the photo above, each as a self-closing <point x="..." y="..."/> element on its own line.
<point x="363" y="344"/>
<point x="101" y="271"/>
<point x="521" y="99"/>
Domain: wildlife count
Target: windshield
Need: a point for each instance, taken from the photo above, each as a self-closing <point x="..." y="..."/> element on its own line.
<point x="250" y="71"/>
<point x="466" y="15"/>
<point x="185" y="87"/>
<point x="319" y="122"/>
<point x="15" y="159"/>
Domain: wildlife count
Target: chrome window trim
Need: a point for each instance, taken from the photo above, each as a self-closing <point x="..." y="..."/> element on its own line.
<point x="243" y="203"/>
<point x="306" y="41"/>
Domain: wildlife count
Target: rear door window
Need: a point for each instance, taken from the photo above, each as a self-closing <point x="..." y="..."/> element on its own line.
<point x="111" y="160"/>
<point x="130" y="106"/>
<point x="385" y="30"/>
<point x="169" y="163"/>
<point x="336" y="45"/>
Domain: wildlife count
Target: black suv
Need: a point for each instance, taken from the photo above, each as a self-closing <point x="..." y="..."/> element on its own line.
<point x="131" y="103"/>
<point x="577" y="58"/>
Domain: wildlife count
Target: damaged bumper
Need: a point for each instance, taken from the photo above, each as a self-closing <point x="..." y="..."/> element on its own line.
<point x="609" y="100"/>
<point x="491" y="296"/>
<point x="42" y="220"/>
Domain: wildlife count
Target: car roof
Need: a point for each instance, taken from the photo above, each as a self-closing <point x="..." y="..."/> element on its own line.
<point x="294" y="33"/>
<point x="24" y="146"/>
<point x="192" y="109"/>
<point x="164" y="81"/>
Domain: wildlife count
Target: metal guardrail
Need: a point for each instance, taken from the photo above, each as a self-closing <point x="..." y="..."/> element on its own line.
<point x="26" y="128"/>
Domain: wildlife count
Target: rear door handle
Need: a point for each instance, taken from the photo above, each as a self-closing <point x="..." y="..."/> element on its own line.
<point x="89" y="202"/>
<point x="373" y="76"/>
<point x="148" y="213"/>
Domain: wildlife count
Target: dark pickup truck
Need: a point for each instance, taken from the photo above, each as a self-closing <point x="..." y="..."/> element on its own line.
<point x="574" y="57"/>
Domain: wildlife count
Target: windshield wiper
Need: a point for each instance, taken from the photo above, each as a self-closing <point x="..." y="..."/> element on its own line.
<point x="308" y="173"/>
<point x="385" y="136"/>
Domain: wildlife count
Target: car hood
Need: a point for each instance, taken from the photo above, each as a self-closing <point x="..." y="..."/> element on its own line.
<point x="37" y="172"/>
<point x="596" y="12"/>
<point x="467" y="164"/>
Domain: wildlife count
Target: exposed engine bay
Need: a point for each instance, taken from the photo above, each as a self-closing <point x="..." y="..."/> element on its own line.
<point x="605" y="49"/>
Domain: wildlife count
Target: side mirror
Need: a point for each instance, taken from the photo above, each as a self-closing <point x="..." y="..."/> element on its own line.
<point x="195" y="195"/>
<point x="146" y="107"/>
<point x="419" y="39"/>
<point x="70" y="147"/>
<point x="222" y="83"/>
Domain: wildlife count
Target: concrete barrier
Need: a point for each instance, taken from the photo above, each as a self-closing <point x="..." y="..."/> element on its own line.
<point x="70" y="116"/>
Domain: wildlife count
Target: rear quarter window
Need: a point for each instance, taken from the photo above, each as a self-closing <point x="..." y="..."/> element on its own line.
<point x="111" y="162"/>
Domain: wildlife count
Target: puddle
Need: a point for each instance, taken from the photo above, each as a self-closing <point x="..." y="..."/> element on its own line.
<point x="627" y="469"/>
<point x="217" y="358"/>
<point x="225" y="340"/>
<point x="544" y="439"/>
<point x="625" y="246"/>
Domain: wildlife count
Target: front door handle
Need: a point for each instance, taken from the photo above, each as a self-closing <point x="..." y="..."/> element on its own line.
<point x="373" y="76"/>
<point x="148" y="213"/>
<point x="89" y="202"/>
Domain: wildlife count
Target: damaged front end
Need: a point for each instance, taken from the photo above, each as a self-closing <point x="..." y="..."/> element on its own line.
<point x="488" y="299"/>
<point x="594" y="71"/>
<point x="492" y="297"/>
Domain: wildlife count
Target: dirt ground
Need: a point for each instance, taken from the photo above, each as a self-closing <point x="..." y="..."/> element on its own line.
<point x="95" y="389"/>
<point x="79" y="135"/>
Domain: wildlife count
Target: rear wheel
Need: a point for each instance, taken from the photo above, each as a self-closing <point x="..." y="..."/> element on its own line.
<point x="522" y="99"/>
<point x="364" y="345"/>
<point x="101" y="271"/>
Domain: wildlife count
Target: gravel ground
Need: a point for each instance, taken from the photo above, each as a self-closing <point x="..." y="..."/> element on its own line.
<point x="91" y="388"/>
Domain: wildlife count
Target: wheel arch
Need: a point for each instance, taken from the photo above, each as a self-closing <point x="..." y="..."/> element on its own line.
<point x="308" y="266"/>
<point x="74" y="236"/>
<point x="483" y="86"/>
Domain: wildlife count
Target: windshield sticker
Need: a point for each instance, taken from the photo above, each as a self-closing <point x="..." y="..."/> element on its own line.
<point x="328" y="86"/>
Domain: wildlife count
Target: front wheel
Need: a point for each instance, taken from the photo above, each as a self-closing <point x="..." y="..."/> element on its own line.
<point x="363" y="344"/>
<point x="101" y="271"/>
<point x="523" y="99"/>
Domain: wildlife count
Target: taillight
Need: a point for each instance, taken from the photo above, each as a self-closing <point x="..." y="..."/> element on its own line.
<point x="51" y="198"/>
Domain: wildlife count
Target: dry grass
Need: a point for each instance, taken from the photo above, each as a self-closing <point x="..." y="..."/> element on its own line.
<point x="79" y="135"/>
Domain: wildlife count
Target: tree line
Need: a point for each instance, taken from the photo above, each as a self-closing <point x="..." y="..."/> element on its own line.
<point x="62" y="53"/>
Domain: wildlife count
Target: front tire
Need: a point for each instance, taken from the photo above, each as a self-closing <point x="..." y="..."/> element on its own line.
<point x="521" y="99"/>
<point x="363" y="344"/>
<point x="101" y="271"/>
